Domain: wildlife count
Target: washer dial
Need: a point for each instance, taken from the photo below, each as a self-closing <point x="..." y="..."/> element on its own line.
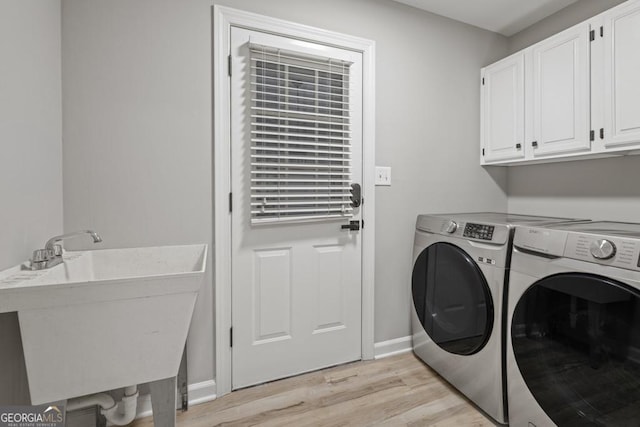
<point x="603" y="249"/>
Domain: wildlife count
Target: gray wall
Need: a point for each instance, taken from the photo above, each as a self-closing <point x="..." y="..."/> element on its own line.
<point x="561" y="20"/>
<point x="30" y="154"/>
<point x="137" y="132"/>
<point x="597" y="189"/>
<point x="30" y="133"/>
<point x="137" y="127"/>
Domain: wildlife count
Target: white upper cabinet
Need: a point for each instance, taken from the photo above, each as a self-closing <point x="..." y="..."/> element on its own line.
<point x="622" y="76"/>
<point x="503" y="110"/>
<point x="575" y="95"/>
<point x="559" y="101"/>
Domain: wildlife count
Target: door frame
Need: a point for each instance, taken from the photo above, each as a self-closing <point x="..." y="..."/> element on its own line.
<point x="223" y="19"/>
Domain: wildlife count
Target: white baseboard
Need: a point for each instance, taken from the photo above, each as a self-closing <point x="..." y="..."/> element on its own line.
<point x="198" y="393"/>
<point x="392" y="347"/>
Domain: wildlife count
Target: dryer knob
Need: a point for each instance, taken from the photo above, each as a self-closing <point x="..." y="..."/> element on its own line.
<point x="603" y="249"/>
<point x="451" y="227"/>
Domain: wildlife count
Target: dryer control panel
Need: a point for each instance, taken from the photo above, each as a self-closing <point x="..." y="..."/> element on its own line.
<point x="478" y="231"/>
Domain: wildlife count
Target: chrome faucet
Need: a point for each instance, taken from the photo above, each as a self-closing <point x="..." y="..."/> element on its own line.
<point x="51" y="255"/>
<point x="51" y="243"/>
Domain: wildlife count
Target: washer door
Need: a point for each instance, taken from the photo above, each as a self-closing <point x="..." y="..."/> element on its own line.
<point x="576" y="341"/>
<point x="452" y="299"/>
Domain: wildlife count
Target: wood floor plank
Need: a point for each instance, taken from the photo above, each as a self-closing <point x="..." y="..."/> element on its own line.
<point x="395" y="391"/>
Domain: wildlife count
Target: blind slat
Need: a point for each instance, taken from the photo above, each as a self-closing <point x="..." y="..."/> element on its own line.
<point x="294" y="197"/>
<point x="296" y="166"/>
<point x="294" y="119"/>
<point x="289" y="149"/>
<point x="284" y="111"/>
<point x="308" y="158"/>
<point x="284" y="143"/>
<point x="297" y="188"/>
<point x="316" y="173"/>
<point x="303" y="210"/>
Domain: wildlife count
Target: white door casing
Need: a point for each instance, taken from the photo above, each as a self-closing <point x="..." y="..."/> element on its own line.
<point x="295" y="285"/>
<point x="274" y="258"/>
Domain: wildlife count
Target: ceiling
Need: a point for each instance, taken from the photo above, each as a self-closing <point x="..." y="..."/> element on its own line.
<point x="506" y="17"/>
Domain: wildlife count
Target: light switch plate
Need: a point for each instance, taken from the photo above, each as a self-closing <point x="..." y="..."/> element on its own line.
<point x="383" y="175"/>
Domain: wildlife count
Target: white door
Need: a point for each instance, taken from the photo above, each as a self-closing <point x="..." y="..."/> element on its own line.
<point x="296" y="146"/>
<point x="622" y="76"/>
<point x="561" y="97"/>
<point x="503" y="110"/>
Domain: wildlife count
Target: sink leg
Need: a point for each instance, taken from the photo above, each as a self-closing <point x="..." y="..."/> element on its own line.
<point x="163" y="402"/>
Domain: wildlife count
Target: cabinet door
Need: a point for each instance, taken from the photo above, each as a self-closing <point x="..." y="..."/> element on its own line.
<point x="503" y="110"/>
<point x="560" y="100"/>
<point x="622" y="76"/>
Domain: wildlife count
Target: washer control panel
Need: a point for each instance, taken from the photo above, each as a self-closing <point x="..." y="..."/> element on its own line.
<point x="614" y="251"/>
<point x="479" y="231"/>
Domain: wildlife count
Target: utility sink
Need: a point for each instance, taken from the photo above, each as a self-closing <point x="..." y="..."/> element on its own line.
<point x="104" y="319"/>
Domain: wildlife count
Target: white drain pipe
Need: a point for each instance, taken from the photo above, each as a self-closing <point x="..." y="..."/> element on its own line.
<point x="109" y="407"/>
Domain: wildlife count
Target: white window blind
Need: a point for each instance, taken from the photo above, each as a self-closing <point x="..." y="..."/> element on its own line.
<point x="300" y="137"/>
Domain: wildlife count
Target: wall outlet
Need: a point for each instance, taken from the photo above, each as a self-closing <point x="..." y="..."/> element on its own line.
<point x="383" y="175"/>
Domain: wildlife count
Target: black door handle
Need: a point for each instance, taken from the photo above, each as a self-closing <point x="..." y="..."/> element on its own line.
<point x="352" y="226"/>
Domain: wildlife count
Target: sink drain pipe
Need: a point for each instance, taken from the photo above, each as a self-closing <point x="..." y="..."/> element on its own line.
<point x="109" y="407"/>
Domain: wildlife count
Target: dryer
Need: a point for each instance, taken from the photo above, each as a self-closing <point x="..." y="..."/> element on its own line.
<point x="573" y="347"/>
<point x="460" y="264"/>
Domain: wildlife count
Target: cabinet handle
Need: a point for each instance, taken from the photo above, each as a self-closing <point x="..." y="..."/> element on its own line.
<point x="518" y="146"/>
<point x="534" y="144"/>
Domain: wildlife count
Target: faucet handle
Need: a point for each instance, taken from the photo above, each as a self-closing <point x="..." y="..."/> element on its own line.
<point x="42" y="255"/>
<point x="57" y="250"/>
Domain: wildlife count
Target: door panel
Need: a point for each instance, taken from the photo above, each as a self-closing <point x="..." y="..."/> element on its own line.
<point x="561" y="113"/>
<point x="622" y="76"/>
<point x="329" y="288"/>
<point x="296" y="284"/>
<point x="503" y="109"/>
<point x="272" y="295"/>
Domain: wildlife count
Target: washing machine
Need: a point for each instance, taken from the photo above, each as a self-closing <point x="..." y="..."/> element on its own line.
<point x="573" y="316"/>
<point x="460" y="264"/>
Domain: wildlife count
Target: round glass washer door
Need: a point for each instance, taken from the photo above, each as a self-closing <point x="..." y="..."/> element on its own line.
<point x="452" y="299"/>
<point x="576" y="341"/>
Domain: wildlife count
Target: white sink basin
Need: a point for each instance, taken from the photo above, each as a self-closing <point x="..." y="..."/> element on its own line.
<point x="104" y="319"/>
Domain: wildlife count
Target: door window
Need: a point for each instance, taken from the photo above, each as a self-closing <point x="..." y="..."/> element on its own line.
<point x="576" y="340"/>
<point x="300" y="136"/>
<point x="452" y="299"/>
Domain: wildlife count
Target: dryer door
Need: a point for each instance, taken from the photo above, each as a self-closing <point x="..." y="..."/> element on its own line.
<point x="452" y="299"/>
<point x="576" y="341"/>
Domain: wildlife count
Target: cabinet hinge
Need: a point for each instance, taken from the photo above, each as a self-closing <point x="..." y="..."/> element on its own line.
<point x="592" y="35"/>
<point x="483" y="81"/>
<point x="229" y="65"/>
<point x="230" y="202"/>
<point x="592" y="135"/>
<point x="483" y="151"/>
<point x="601" y="133"/>
<point x="231" y="336"/>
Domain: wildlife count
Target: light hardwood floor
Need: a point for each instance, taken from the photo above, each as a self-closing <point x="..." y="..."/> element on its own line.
<point x="395" y="391"/>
